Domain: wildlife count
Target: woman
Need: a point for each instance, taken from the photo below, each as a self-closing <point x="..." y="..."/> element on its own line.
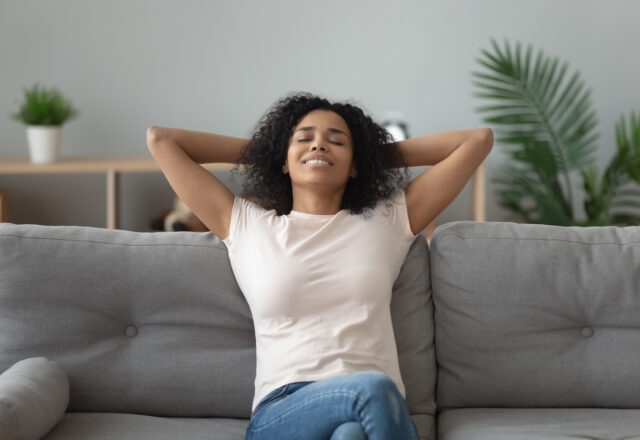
<point x="316" y="242"/>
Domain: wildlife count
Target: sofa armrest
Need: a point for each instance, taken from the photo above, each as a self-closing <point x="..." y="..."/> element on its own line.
<point x="34" y="395"/>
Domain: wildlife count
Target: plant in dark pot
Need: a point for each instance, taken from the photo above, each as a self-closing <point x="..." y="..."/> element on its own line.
<point x="44" y="111"/>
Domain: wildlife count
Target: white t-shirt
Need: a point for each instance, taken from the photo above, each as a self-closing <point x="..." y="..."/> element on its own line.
<point x="319" y="289"/>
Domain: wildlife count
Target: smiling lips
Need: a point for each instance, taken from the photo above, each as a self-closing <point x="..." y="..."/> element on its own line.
<point x="317" y="157"/>
<point x="317" y="163"/>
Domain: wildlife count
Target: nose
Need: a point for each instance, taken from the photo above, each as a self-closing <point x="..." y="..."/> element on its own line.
<point x="316" y="147"/>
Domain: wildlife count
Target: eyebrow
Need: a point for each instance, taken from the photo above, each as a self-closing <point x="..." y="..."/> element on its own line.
<point x="330" y="129"/>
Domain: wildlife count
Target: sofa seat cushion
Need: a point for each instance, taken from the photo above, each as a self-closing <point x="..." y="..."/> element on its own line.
<point x="101" y="426"/>
<point x="538" y="423"/>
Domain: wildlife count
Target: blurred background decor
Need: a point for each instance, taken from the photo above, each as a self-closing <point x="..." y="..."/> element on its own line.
<point x="44" y="111"/>
<point x="212" y="82"/>
<point x="179" y="218"/>
<point x="397" y="126"/>
<point x="549" y="130"/>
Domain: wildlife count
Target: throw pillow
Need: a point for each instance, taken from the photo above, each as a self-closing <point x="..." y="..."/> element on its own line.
<point x="34" y="395"/>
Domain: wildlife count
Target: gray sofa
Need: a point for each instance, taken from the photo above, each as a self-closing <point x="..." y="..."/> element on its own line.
<point x="515" y="331"/>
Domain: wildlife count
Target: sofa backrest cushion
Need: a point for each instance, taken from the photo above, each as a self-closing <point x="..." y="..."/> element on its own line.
<point x="155" y="323"/>
<point x="532" y="315"/>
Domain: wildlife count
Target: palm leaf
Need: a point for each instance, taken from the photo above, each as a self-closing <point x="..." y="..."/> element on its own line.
<point x="630" y="147"/>
<point x="625" y="220"/>
<point x="537" y="111"/>
<point x="520" y="185"/>
<point x="610" y="200"/>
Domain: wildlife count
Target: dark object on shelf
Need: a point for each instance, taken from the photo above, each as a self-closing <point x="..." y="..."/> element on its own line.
<point x="180" y="218"/>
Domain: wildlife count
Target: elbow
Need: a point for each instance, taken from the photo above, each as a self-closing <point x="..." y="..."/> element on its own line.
<point x="485" y="136"/>
<point x="152" y="135"/>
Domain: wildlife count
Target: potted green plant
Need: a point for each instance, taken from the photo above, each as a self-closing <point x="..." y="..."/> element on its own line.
<point x="44" y="111"/>
<point x="549" y="130"/>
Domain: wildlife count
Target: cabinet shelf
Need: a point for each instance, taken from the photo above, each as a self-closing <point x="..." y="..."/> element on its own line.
<point x="111" y="166"/>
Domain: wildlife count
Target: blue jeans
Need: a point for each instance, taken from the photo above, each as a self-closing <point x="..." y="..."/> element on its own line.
<point x="356" y="406"/>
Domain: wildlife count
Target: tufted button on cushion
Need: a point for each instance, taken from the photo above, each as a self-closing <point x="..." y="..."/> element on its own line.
<point x="586" y="331"/>
<point x="131" y="331"/>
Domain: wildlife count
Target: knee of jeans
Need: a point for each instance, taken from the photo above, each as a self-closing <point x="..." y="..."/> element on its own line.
<point x="383" y="388"/>
<point x="349" y="431"/>
<point x="379" y="382"/>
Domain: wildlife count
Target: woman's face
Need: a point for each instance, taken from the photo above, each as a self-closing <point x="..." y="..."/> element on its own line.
<point x="329" y="134"/>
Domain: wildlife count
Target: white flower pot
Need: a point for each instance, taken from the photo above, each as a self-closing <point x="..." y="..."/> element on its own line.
<point x="44" y="142"/>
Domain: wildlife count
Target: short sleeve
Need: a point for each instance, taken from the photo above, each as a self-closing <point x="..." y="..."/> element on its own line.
<point x="243" y="214"/>
<point x="397" y="215"/>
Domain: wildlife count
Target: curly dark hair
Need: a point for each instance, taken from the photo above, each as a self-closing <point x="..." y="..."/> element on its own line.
<point x="381" y="170"/>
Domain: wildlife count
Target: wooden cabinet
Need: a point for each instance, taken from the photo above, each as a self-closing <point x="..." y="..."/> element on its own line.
<point x="112" y="167"/>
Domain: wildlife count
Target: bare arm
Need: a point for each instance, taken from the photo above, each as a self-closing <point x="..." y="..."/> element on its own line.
<point x="433" y="148"/>
<point x="432" y="191"/>
<point x="200" y="146"/>
<point x="209" y="199"/>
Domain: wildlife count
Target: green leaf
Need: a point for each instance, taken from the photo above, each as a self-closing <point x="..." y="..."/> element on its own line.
<point x="548" y="97"/>
<point x="562" y="102"/>
<point x="549" y="124"/>
<point x="501" y="107"/>
<point x="44" y="106"/>
<point x="547" y="81"/>
<point x="501" y="90"/>
<point x="625" y="220"/>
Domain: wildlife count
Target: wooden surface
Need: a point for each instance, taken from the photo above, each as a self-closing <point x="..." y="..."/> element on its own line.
<point x="89" y="164"/>
<point x="478" y="202"/>
<point x="112" y="166"/>
<point x="4" y="206"/>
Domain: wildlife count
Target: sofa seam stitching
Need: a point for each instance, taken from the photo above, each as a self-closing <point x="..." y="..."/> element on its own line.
<point x="116" y="244"/>
<point x="532" y="238"/>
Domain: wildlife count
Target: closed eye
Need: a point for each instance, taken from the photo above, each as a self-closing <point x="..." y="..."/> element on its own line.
<point x="307" y="140"/>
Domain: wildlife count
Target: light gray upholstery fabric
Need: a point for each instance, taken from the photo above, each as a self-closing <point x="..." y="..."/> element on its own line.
<point x="108" y="426"/>
<point x="539" y="424"/>
<point x="426" y="425"/>
<point x="412" y="316"/>
<point x="155" y="323"/>
<point x="536" y="315"/>
<point x="148" y="323"/>
<point x="34" y="394"/>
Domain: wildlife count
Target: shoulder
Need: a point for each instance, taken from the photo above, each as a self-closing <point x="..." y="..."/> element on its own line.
<point x="249" y="205"/>
<point x="394" y="209"/>
<point x="244" y="215"/>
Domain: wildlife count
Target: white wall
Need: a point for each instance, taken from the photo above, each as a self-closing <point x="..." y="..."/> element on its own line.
<point x="218" y="65"/>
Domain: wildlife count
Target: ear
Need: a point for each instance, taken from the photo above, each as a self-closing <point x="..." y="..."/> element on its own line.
<point x="285" y="167"/>
<point x="353" y="173"/>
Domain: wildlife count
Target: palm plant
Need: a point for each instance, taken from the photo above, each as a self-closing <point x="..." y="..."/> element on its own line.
<point x="613" y="198"/>
<point x="549" y="130"/>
